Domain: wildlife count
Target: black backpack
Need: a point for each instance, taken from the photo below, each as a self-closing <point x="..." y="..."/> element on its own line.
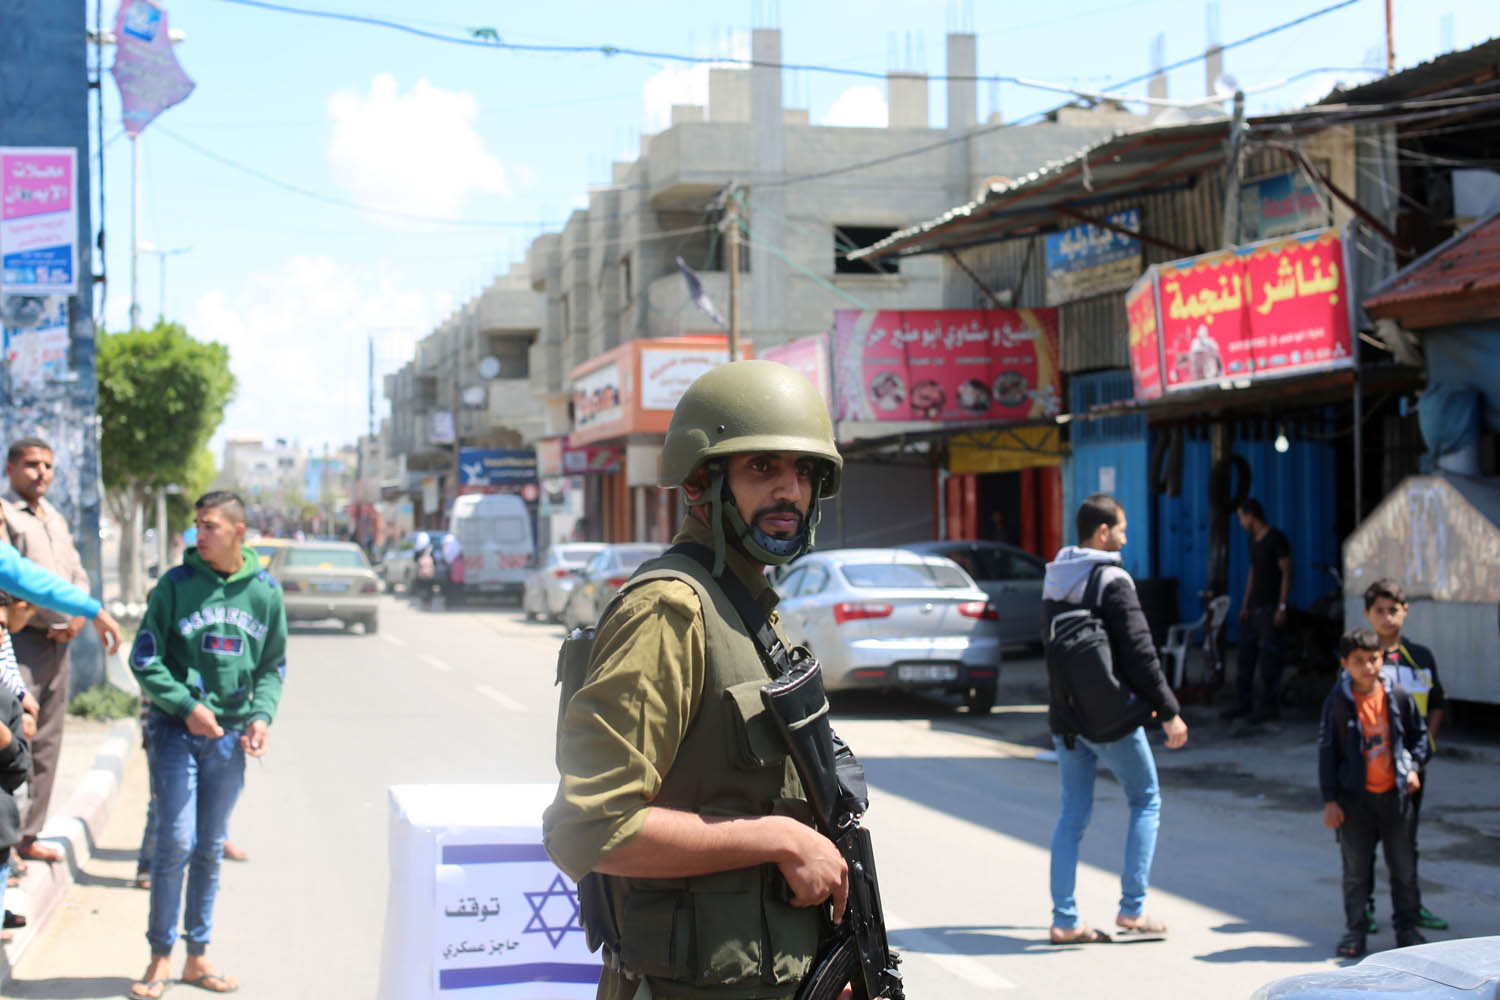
<point x="1095" y="702"/>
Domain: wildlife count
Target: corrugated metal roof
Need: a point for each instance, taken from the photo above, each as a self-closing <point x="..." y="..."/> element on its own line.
<point x="1467" y="265"/>
<point x="1128" y="162"/>
<point x="1482" y="60"/>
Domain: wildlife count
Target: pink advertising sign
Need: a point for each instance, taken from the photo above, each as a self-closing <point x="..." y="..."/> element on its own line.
<point x="146" y="69"/>
<point x="809" y="355"/>
<point x="38" y="221"/>
<point x="946" y="365"/>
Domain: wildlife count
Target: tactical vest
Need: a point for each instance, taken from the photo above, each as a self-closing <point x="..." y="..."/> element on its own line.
<point x="730" y="935"/>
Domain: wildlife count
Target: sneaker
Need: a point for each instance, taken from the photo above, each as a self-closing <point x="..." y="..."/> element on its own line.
<point x="1372" y="926"/>
<point x="1407" y="938"/>
<point x="1351" y="945"/>
<point x="1426" y="918"/>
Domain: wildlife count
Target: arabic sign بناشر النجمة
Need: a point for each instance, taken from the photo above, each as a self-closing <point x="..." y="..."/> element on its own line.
<point x="946" y="365"/>
<point x="1270" y="308"/>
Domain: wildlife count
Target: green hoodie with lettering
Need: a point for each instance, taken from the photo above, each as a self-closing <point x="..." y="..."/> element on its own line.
<point x="213" y="640"/>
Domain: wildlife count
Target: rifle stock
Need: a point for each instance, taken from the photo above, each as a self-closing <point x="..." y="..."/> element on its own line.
<point x="827" y="769"/>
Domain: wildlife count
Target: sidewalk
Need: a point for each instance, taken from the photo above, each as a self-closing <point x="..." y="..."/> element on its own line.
<point x="91" y="771"/>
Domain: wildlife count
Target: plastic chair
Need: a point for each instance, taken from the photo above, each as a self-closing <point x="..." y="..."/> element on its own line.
<point x="1179" y="637"/>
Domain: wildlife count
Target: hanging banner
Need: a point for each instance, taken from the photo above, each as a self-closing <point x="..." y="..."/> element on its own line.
<point x="1088" y="260"/>
<point x="1145" y="339"/>
<point x="38" y="220"/>
<point x="945" y="365"/>
<point x="1271" y="308"/>
<point x="146" y="69"/>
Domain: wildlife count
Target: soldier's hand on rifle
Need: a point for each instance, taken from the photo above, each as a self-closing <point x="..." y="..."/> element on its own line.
<point x="815" y="870"/>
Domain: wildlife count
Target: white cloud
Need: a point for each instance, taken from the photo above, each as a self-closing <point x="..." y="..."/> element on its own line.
<point x="859" y="107"/>
<point x="297" y="338"/>
<point x="688" y="84"/>
<point x="416" y="152"/>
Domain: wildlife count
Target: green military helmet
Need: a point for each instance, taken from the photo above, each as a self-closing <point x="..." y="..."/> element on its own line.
<point x="748" y="406"/>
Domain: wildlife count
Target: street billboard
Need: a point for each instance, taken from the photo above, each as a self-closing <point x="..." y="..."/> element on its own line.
<point x="1088" y="260"/>
<point x="1277" y="307"/>
<point x="496" y="466"/>
<point x="1145" y="338"/>
<point x="946" y="365"/>
<point x="38" y="220"/>
<point x="633" y="388"/>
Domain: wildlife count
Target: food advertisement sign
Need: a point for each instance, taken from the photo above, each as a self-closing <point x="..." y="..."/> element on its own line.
<point x="1145" y="339"/>
<point x="946" y="365"/>
<point x="1091" y="260"/>
<point x="1271" y="308"/>
<point x="38" y="220"/>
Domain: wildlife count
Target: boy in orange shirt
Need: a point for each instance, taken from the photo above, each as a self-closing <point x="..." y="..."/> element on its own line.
<point x="1371" y="744"/>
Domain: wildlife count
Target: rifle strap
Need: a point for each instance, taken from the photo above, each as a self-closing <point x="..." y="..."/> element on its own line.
<point x="757" y="622"/>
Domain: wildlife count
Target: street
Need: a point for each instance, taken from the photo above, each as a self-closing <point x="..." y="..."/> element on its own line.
<point x="1245" y="875"/>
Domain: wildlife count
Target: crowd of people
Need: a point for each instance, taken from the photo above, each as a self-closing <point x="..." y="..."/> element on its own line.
<point x="210" y="657"/>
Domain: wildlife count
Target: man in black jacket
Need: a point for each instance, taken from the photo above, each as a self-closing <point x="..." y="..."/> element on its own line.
<point x="1101" y="535"/>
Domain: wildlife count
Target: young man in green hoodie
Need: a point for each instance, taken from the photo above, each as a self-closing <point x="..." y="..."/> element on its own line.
<point x="210" y="655"/>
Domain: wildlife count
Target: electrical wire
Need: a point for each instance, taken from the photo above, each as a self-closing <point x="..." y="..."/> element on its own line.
<point x="343" y="203"/>
<point x="489" y="38"/>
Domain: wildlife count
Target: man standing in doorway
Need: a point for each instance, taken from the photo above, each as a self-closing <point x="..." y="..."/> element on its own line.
<point x="1262" y="616"/>
<point x="1089" y="575"/>
<point x="40" y="533"/>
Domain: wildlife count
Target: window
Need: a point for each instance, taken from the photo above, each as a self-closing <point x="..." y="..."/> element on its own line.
<point x="625" y="283"/>
<point x="814" y="582"/>
<point x="789" y="584"/>
<point x="847" y="238"/>
<point x="903" y="576"/>
<point x="330" y="557"/>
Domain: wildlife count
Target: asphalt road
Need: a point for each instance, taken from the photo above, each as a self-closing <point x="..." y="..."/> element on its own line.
<point x="961" y="815"/>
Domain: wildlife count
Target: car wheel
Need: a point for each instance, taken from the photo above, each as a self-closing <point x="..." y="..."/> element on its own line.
<point x="372" y="625"/>
<point x="981" y="698"/>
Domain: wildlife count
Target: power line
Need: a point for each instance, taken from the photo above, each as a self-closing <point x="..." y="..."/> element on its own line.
<point x="489" y="38"/>
<point x="343" y="203"/>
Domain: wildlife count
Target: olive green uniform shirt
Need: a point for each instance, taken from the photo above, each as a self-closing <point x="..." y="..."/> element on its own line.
<point x="624" y="726"/>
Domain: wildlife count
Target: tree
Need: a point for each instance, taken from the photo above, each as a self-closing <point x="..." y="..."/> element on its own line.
<point x="161" y="397"/>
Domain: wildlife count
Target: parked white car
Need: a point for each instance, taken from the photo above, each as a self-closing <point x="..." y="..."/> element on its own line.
<point x="892" y="619"/>
<point x="557" y="573"/>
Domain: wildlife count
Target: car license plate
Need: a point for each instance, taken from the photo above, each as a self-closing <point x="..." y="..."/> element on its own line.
<point x="333" y="588"/>
<point x="926" y="672"/>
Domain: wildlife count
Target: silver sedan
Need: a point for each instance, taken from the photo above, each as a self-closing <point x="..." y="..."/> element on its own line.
<point x="323" y="580"/>
<point x="893" y="619"/>
<point x="602" y="578"/>
<point x="558" y="571"/>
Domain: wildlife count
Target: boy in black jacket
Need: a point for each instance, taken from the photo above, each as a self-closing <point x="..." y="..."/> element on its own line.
<point x="1371" y="743"/>
<point x="15" y="763"/>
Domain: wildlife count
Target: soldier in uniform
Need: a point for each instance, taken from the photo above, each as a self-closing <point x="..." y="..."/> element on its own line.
<point x="675" y="786"/>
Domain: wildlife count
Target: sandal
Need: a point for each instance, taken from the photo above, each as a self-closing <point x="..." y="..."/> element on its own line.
<point x="1146" y="929"/>
<point x="143" y="880"/>
<point x="151" y="990"/>
<point x="1082" y="934"/>
<point x="214" y="982"/>
<point x="1351" y="945"/>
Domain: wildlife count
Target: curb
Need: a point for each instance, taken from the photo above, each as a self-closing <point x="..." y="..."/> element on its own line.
<point x="75" y="829"/>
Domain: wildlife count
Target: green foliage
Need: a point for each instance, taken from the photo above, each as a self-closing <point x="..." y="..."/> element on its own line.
<point x="161" y="397"/>
<point x="180" y="505"/>
<point x="105" y="702"/>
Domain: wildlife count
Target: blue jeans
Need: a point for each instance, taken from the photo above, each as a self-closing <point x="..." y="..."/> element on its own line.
<point x="195" y="781"/>
<point x="148" y="835"/>
<point x="1131" y="762"/>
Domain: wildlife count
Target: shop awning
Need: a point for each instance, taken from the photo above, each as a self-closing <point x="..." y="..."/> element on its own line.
<point x="1456" y="282"/>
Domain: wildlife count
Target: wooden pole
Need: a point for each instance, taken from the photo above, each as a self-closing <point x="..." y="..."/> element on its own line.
<point x="732" y="234"/>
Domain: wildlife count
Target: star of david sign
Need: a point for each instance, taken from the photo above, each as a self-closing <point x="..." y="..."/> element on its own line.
<point x="539" y="903"/>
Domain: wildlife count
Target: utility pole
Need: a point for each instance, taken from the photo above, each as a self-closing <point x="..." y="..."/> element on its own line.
<point x="135" y="239"/>
<point x="732" y="231"/>
<point x="1390" y="42"/>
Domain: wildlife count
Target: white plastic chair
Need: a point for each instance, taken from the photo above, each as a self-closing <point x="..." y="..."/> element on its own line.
<point x="1179" y="636"/>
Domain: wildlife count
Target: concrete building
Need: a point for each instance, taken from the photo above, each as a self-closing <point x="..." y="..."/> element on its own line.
<point x="265" y="472"/>
<point x="808" y="194"/>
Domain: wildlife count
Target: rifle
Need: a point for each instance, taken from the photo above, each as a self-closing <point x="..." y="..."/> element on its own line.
<point x="856" y="951"/>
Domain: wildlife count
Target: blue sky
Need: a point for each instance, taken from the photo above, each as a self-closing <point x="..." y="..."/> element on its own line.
<point x="509" y="143"/>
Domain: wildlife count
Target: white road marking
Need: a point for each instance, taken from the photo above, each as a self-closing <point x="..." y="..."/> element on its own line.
<point x="391" y="639"/>
<point x="505" y="701"/>
<point x="943" y="955"/>
<point x="436" y="663"/>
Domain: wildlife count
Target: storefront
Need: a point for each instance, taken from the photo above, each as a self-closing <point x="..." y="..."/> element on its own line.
<point x="622" y="405"/>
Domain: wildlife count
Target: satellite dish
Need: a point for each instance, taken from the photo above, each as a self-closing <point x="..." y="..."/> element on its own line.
<point x="1225" y="85"/>
<point x="474" y="395"/>
<point x="489" y="366"/>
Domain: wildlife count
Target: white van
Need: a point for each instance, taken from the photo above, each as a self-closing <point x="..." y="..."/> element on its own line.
<point x="494" y="532"/>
